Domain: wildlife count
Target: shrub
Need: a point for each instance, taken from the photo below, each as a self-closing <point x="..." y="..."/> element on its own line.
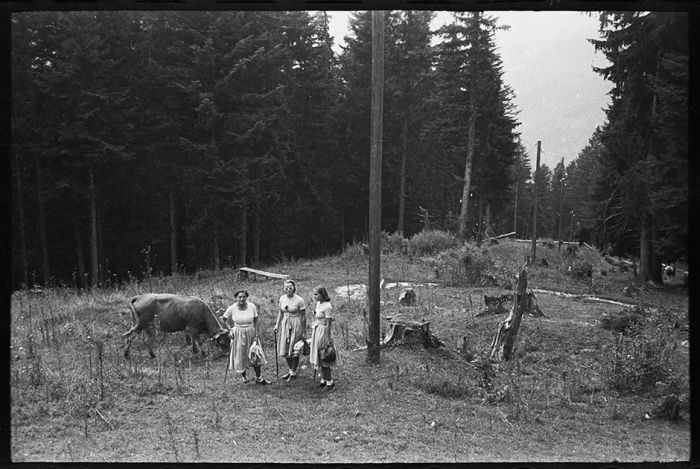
<point x="392" y="242"/>
<point x="432" y="242"/>
<point x="354" y="253"/>
<point x="448" y="388"/>
<point x="462" y="266"/>
<point x="445" y="385"/>
<point x="623" y="321"/>
<point x="635" y="362"/>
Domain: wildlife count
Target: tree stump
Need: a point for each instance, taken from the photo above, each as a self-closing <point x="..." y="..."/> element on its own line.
<point x="668" y="408"/>
<point x="495" y="304"/>
<point x="533" y="307"/>
<point x="504" y="341"/>
<point x="403" y="332"/>
<point x="407" y="297"/>
<point x="582" y="269"/>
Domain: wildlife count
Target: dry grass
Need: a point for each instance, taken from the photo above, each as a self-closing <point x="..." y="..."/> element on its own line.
<point x="74" y="397"/>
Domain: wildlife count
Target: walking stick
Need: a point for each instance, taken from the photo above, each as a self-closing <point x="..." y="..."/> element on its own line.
<point x="277" y="364"/>
<point x="228" y="360"/>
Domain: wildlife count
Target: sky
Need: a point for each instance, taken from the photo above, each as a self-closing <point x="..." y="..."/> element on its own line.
<point x="547" y="62"/>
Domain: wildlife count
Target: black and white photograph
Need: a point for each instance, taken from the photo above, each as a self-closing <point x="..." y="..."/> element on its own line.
<point x="264" y="234"/>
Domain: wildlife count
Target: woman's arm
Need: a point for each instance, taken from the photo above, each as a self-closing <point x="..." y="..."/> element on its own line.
<point x="279" y="320"/>
<point x="329" y="326"/>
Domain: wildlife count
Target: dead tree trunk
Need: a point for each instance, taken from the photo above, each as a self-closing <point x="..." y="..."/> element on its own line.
<point x="46" y="276"/>
<point x="94" y="260"/>
<point x="173" y="232"/>
<point x="22" y="233"/>
<point x="471" y="124"/>
<point x="504" y="341"/>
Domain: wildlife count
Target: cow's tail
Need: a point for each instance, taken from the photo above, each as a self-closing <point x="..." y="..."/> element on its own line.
<point x="134" y="317"/>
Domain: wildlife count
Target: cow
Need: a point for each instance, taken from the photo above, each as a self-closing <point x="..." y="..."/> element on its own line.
<point x="172" y="313"/>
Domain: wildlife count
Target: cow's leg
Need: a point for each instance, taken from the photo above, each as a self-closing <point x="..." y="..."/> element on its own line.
<point x="130" y="335"/>
<point x="193" y="334"/>
<point x="127" y="353"/>
<point x="148" y="340"/>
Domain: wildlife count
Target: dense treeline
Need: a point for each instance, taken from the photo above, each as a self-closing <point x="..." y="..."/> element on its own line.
<point x="175" y="141"/>
<point x="162" y="141"/>
<point x="638" y="161"/>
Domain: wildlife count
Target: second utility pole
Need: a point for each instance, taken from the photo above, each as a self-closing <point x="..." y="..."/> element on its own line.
<point x="534" y="211"/>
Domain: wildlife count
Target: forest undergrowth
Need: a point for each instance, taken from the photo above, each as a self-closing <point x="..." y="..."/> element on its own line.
<point x="582" y="385"/>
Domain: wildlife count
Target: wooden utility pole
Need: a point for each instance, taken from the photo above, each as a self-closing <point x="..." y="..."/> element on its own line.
<point x="466" y="190"/>
<point x="375" y="183"/>
<point x="515" y="212"/>
<point x="561" y="199"/>
<point x="534" y="211"/>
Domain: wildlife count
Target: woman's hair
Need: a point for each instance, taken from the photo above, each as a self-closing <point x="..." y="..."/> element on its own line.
<point x="235" y="295"/>
<point x="324" y="294"/>
<point x="294" y="285"/>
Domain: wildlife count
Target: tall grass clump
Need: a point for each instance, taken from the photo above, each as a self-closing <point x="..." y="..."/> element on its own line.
<point x="625" y="321"/>
<point x="466" y="265"/>
<point x="354" y="254"/>
<point x="392" y="242"/>
<point x="644" y="355"/>
<point x="432" y="242"/>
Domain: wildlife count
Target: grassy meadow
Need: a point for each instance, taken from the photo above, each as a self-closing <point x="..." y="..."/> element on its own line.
<point x="577" y="389"/>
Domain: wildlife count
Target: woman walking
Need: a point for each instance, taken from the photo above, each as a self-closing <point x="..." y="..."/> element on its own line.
<point x="321" y="336"/>
<point x="242" y="321"/>
<point x="291" y="320"/>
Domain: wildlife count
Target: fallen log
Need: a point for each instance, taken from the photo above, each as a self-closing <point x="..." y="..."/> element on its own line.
<point x="543" y="241"/>
<point x="504" y="235"/>
<point x="623" y="264"/>
<point x="581" y="297"/>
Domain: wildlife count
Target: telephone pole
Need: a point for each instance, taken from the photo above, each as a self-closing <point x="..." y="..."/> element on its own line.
<point x="534" y="212"/>
<point x="375" y="183"/>
<point x="561" y="199"/>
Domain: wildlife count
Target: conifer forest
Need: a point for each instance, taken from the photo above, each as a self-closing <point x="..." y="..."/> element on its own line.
<point x="147" y="142"/>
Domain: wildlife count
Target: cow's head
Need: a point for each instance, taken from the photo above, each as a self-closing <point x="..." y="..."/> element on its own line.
<point x="222" y="339"/>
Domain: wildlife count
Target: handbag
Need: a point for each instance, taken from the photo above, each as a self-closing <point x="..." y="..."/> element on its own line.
<point x="302" y="347"/>
<point x="256" y="354"/>
<point x="328" y="353"/>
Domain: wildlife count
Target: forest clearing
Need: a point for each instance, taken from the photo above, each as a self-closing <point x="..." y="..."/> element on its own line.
<point x="582" y="384"/>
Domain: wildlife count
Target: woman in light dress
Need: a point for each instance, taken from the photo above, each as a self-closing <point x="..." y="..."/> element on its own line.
<point x="291" y="322"/>
<point x="321" y="336"/>
<point x="242" y="320"/>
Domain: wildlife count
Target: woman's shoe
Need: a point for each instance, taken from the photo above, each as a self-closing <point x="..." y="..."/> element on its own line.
<point x="286" y="377"/>
<point x="329" y="387"/>
<point x="289" y="377"/>
<point x="245" y="380"/>
<point x="322" y="385"/>
<point x="262" y="381"/>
